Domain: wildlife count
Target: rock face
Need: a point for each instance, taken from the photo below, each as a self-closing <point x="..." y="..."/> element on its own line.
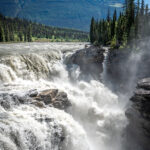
<point x="139" y="117"/>
<point x="116" y="69"/>
<point x="51" y="97"/>
<point x="54" y="98"/>
<point x="126" y="66"/>
<point x="90" y="60"/>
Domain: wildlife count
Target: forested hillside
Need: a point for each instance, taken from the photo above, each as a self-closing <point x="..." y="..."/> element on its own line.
<point x="133" y="23"/>
<point x="15" y="29"/>
<point x="60" y="13"/>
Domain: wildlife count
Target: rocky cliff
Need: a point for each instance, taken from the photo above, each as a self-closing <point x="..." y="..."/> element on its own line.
<point x="138" y="130"/>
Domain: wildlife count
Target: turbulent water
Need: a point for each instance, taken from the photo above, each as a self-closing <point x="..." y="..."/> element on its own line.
<point x="95" y="121"/>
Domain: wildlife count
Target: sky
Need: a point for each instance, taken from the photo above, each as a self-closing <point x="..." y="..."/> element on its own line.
<point x="147" y="2"/>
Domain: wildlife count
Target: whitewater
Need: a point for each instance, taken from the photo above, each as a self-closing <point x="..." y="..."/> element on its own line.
<point x="95" y="121"/>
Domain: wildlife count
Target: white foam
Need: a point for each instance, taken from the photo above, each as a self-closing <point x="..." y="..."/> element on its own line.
<point x="96" y="120"/>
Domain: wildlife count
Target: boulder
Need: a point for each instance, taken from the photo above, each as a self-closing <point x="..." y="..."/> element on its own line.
<point x="53" y="98"/>
<point x="32" y="93"/>
<point x="38" y="104"/>
<point x="90" y="60"/>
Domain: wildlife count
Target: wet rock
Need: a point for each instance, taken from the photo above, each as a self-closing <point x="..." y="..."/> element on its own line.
<point x="90" y="60"/>
<point x="38" y="104"/>
<point x="144" y="84"/>
<point x="125" y="67"/>
<point x="139" y="116"/>
<point x="54" y="97"/>
<point x="33" y="93"/>
<point x="7" y="100"/>
<point x="21" y="98"/>
<point x="51" y="97"/>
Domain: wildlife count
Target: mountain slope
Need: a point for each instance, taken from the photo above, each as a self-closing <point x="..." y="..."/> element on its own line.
<point x="62" y="13"/>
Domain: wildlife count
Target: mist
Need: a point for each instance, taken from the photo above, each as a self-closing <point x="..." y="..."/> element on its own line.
<point x="122" y="71"/>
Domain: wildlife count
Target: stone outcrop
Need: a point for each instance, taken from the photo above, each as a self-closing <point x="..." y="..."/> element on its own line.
<point x="53" y="98"/>
<point x="139" y="116"/>
<point x="90" y="60"/>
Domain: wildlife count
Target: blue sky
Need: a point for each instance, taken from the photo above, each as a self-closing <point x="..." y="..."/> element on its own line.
<point x="147" y="2"/>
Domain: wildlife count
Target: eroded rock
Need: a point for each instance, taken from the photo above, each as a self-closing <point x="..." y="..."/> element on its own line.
<point x="90" y="60"/>
<point x="50" y="97"/>
<point x="138" y="130"/>
<point x="54" y="97"/>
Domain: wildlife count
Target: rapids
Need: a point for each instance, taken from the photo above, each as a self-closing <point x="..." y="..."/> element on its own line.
<point x="95" y="121"/>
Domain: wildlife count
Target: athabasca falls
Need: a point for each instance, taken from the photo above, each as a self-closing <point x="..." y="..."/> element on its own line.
<point x="95" y="119"/>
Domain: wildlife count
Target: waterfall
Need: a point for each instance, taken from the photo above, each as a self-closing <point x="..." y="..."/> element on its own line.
<point x="95" y="121"/>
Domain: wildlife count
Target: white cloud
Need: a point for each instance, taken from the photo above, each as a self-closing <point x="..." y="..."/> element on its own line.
<point x="116" y="5"/>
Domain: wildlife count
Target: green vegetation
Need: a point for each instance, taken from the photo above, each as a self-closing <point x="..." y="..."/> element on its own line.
<point x="21" y="30"/>
<point x="133" y="23"/>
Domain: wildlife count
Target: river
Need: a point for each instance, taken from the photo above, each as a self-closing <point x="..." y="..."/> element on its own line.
<point x="95" y="121"/>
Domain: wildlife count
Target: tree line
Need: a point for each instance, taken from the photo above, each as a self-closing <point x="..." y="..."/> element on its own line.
<point x="133" y="23"/>
<point x="15" y="29"/>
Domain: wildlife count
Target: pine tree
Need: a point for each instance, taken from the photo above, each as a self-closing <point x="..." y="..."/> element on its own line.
<point x="25" y="36"/>
<point x="29" y="34"/>
<point x="146" y="21"/>
<point x="2" y="38"/>
<point x="130" y="16"/>
<point x="142" y="8"/>
<point x="132" y="23"/>
<point x="20" y="35"/>
<point x="137" y="19"/>
<point x="7" y="36"/>
<point x="92" y="28"/>
<point x="11" y="36"/>
<point x="100" y="32"/>
<point x="113" y="25"/>
<point x="138" y="8"/>
<point x="108" y="16"/>
<point x="146" y="12"/>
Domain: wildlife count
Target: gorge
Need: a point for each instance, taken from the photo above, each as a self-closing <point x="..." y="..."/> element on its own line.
<point x="56" y="96"/>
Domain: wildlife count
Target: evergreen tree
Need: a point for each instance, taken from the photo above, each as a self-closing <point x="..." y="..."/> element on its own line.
<point x="16" y="29"/>
<point x="29" y="34"/>
<point x="113" y="24"/>
<point x="7" y="36"/>
<point x="133" y="23"/>
<point x="92" y="30"/>
<point x="142" y="8"/>
<point x="11" y="36"/>
<point x="146" y="13"/>
<point x="108" y="16"/>
<point x="137" y="19"/>
<point x="2" y="38"/>
<point x="130" y="16"/>
<point x="20" y="35"/>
